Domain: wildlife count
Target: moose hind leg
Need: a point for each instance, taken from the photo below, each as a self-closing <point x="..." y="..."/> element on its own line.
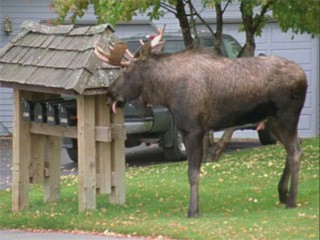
<point x="289" y="139"/>
<point x="194" y="143"/>
<point x="283" y="184"/>
<point x="294" y="156"/>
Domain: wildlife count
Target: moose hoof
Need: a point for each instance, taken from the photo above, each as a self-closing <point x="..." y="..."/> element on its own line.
<point x="291" y="205"/>
<point x="283" y="198"/>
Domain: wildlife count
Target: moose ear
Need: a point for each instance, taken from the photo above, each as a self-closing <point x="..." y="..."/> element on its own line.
<point x="143" y="52"/>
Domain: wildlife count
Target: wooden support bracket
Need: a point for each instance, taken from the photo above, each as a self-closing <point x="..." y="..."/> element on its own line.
<point x="102" y="133"/>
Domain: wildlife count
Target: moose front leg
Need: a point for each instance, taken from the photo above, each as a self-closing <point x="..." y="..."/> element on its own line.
<point x="194" y="143"/>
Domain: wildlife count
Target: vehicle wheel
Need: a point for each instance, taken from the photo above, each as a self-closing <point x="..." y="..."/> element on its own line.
<point x="266" y="137"/>
<point x="73" y="152"/>
<point x="177" y="151"/>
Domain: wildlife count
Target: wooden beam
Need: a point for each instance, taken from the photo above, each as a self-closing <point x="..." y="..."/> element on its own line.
<point x="118" y="191"/>
<point x="86" y="152"/>
<point x="21" y="155"/>
<point x="36" y="88"/>
<point x="52" y="90"/>
<point x="46" y="129"/>
<point x="103" y="147"/>
<point x="102" y="133"/>
<point x="38" y="144"/>
<point x="38" y="152"/>
<point x="118" y="131"/>
<point x="51" y="185"/>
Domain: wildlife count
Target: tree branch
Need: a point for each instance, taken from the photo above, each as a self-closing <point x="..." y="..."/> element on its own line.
<point x="168" y="8"/>
<point x="262" y="13"/>
<point x="184" y="24"/>
<point x="192" y="21"/>
<point x="225" y="7"/>
<point x="219" y="29"/>
<point x="202" y="20"/>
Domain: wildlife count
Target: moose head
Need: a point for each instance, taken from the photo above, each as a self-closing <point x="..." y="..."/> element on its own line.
<point x="117" y="95"/>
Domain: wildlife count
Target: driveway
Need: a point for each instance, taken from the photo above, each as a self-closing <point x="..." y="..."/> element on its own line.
<point x="48" y="235"/>
<point x="137" y="156"/>
<point x="134" y="156"/>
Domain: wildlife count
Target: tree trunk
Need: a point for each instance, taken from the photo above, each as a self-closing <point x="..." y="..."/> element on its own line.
<point x="218" y="148"/>
<point x="181" y="15"/>
<point x="219" y="29"/>
<point x="247" y="18"/>
<point x="248" y="50"/>
<point x="215" y="150"/>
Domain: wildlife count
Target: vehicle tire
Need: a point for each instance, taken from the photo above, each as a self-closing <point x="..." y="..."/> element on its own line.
<point x="266" y="137"/>
<point x="177" y="152"/>
<point x="73" y="152"/>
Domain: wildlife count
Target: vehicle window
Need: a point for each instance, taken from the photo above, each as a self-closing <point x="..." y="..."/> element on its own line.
<point x="172" y="46"/>
<point x="133" y="45"/>
<point x="206" y="42"/>
<point x="232" y="47"/>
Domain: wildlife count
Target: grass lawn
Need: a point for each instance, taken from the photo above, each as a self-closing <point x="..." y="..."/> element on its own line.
<point x="238" y="200"/>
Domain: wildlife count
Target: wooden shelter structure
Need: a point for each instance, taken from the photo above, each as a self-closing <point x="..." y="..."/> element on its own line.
<point x="44" y="62"/>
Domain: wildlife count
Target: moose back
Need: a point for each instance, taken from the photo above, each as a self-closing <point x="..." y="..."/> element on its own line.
<point x="204" y="92"/>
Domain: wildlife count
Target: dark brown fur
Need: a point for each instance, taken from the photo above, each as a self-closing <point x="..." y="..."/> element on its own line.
<point x="204" y="93"/>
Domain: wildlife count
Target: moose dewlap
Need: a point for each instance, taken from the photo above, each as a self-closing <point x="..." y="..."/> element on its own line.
<point x="205" y="92"/>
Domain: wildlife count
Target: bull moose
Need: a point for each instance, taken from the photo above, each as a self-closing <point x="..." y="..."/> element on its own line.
<point x="205" y="92"/>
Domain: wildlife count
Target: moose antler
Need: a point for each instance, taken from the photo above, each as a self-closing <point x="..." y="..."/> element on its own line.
<point x="119" y="49"/>
<point x="115" y="56"/>
<point x="157" y="42"/>
<point x="158" y="38"/>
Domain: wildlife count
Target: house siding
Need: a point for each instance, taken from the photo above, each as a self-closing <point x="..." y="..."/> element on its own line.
<point x="300" y="48"/>
<point x="18" y="12"/>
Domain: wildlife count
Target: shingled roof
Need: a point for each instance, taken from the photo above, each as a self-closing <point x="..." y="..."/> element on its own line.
<point x="57" y="57"/>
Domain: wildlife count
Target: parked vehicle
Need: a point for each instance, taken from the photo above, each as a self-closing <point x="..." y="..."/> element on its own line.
<point x="156" y="126"/>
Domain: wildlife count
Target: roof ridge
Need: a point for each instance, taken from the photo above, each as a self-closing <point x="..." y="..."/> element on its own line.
<point x="64" y="29"/>
<point x="46" y="29"/>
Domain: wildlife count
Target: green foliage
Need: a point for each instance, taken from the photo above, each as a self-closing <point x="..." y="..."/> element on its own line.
<point x="256" y="9"/>
<point x="211" y="3"/>
<point x="76" y="7"/>
<point x="111" y="11"/>
<point x="238" y="200"/>
<point x="299" y="15"/>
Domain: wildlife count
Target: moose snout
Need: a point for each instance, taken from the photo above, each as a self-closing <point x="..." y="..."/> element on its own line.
<point x="109" y="101"/>
<point x="115" y="102"/>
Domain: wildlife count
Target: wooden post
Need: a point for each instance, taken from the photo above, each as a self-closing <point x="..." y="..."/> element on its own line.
<point x="86" y="152"/>
<point x="38" y="144"/>
<point x="103" y="148"/>
<point x="51" y="184"/>
<point x="118" y="191"/>
<point x="21" y="156"/>
<point x="38" y="152"/>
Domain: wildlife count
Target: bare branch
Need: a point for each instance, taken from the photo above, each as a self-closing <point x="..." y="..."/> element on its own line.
<point x="262" y="13"/>
<point x="192" y="21"/>
<point x="168" y="8"/>
<point x="225" y="7"/>
<point x="204" y="22"/>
